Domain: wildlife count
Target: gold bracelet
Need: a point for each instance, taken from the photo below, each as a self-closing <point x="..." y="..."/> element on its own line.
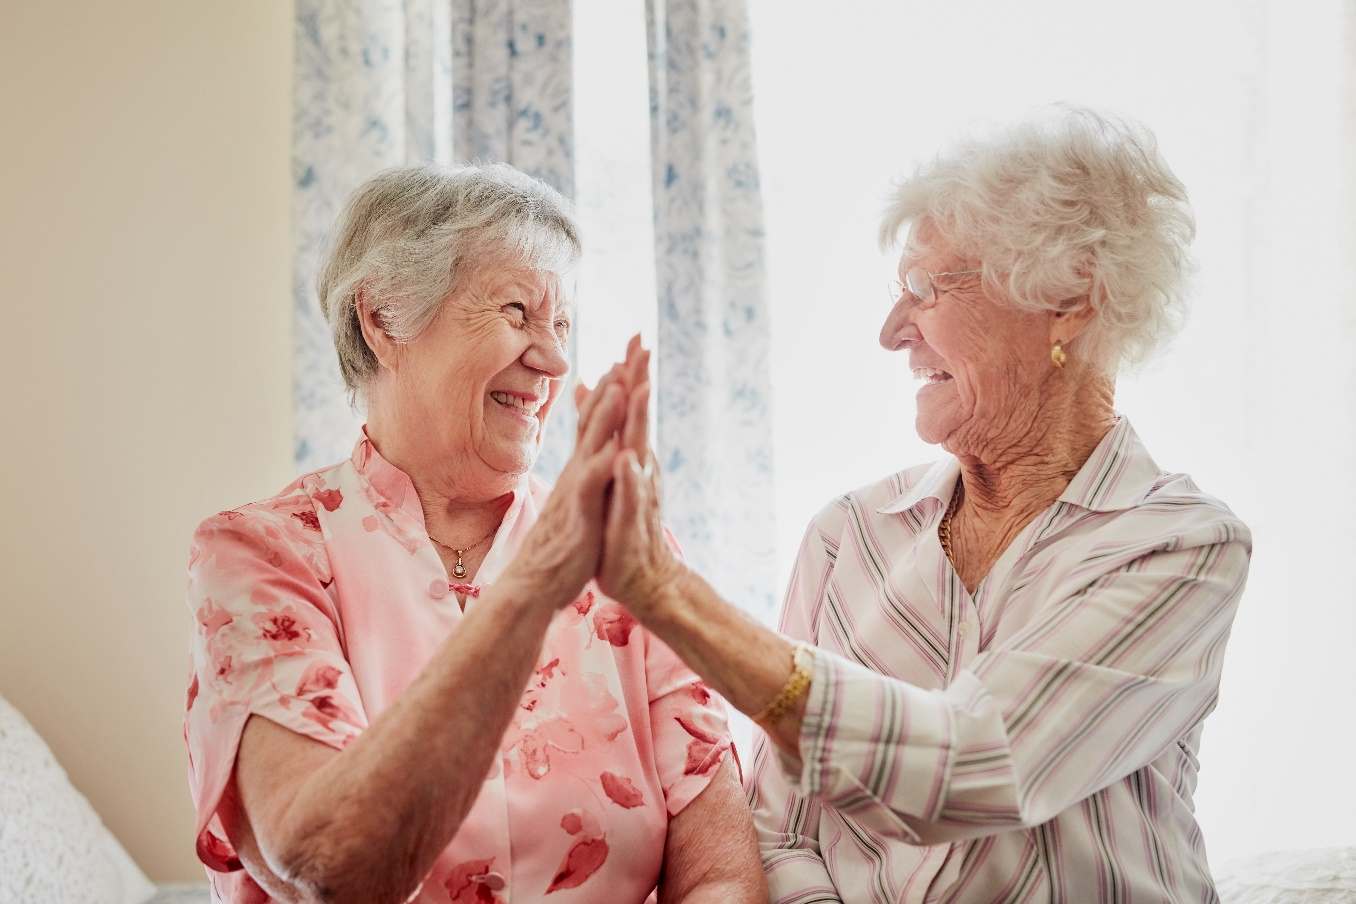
<point x="790" y="692"/>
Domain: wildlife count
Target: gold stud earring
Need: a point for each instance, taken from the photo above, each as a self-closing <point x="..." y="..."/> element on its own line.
<point x="1058" y="356"/>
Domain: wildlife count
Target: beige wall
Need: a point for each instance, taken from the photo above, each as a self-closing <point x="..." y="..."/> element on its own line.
<point x="144" y="364"/>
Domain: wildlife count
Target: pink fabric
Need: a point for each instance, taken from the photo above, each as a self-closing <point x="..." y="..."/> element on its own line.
<point x="318" y="607"/>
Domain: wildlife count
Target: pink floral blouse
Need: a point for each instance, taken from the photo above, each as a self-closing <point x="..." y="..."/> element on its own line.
<point x="318" y="607"/>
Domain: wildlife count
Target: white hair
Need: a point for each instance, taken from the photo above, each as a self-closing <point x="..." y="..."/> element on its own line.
<point x="410" y="236"/>
<point x="1067" y="204"/>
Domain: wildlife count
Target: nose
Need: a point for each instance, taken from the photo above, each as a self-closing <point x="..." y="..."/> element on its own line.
<point x="898" y="331"/>
<point x="547" y="354"/>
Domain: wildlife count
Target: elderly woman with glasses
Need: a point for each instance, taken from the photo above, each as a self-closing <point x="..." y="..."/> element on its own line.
<point x="992" y="671"/>
<point x="405" y="687"/>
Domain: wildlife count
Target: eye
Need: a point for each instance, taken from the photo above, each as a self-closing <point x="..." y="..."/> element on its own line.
<point x="519" y="307"/>
<point x="562" y="327"/>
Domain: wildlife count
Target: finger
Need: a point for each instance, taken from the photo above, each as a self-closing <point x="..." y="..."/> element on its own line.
<point x="637" y="359"/>
<point x="654" y="482"/>
<point x="637" y="428"/>
<point x="596" y="471"/>
<point x="626" y="501"/>
<point x="584" y="401"/>
<point x="606" y="419"/>
<point x="591" y="398"/>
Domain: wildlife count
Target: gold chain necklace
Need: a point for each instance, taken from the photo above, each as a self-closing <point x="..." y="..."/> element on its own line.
<point x="944" y="528"/>
<point x="459" y="570"/>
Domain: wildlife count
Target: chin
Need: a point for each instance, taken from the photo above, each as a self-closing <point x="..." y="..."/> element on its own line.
<point x="928" y="430"/>
<point x="516" y="460"/>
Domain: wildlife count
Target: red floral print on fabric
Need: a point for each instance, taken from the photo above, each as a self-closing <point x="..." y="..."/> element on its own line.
<point x="562" y="711"/>
<point x="319" y="676"/>
<point x="222" y="675"/>
<point x="213" y="617"/>
<point x="699" y="758"/>
<point x="474" y="882"/>
<point x="621" y="790"/>
<point x="537" y="744"/>
<point x="613" y="624"/>
<point x="584" y="858"/>
<point x="308" y="518"/>
<point x="585" y="602"/>
<point x="192" y="693"/>
<point x="284" y="630"/>
<point x="327" y="709"/>
<point x="330" y="499"/>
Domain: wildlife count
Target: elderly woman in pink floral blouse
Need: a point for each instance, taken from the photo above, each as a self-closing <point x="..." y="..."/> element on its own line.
<point x="405" y="686"/>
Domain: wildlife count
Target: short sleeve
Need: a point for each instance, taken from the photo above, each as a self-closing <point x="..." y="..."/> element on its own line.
<point x="689" y="723"/>
<point x="263" y="641"/>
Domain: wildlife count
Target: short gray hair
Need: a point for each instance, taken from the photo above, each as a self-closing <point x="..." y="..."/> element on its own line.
<point x="1070" y="202"/>
<point x="409" y="236"/>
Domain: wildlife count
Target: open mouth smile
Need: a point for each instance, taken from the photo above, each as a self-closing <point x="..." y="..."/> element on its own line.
<point x="524" y="405"/>
<point x="931" y="375"/>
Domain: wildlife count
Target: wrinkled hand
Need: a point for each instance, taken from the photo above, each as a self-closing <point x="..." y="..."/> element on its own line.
<point x="562" y="551"/>
<point x="638" y="562"/>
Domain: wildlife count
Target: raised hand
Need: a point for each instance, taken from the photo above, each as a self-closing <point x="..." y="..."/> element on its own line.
<point x="638" y="562"/>
<point x="562" y="551"/>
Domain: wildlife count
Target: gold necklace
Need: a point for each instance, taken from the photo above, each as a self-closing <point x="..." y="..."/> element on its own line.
<point x="944" y="528"/>
<point x="459" y="570"/>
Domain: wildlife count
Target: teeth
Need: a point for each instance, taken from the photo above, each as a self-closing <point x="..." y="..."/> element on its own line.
<point x="930" y="374"/>
<point x="511" y="401"/>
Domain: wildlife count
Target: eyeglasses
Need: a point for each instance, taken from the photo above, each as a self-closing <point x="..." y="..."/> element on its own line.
<point x="921" y="285"/>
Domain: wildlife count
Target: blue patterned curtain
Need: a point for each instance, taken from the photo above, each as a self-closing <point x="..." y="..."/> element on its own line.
<point x="384" y="82"/>
<point x="714" y="380"/>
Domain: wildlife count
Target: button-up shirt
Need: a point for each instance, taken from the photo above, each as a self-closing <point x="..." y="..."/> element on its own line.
<point x="1035" y="740"/>
<point x="317" y="608"/>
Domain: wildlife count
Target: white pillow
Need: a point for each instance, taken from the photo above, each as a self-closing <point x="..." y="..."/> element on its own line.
<point x="53" y="847"/>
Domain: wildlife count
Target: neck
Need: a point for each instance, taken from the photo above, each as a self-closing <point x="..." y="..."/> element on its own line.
<point x="461" y="502"/>
<point x="1019" y="474"/>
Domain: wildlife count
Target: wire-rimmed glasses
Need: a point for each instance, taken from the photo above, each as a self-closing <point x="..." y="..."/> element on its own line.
<point x="921" y="285"/>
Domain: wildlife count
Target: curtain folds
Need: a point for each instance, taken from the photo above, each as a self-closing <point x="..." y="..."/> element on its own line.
<point x="382" y="82"/>
<point x="714" y="380"/>
<point x="379" y="84"/>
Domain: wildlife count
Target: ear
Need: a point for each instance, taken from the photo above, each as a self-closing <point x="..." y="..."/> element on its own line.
<point x="374" y="332"/>
<point x="1065" y="325"/>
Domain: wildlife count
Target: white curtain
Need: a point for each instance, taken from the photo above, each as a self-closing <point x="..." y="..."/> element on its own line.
<point x="714" y="334"/>
<point x="380" y="83"/>
<point x="383" y="83"/>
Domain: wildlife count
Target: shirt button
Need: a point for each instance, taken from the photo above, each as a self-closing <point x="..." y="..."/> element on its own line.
<point x="963" y="629"/>
<point x="438" y="589"/>
<point x="494" y="881"/>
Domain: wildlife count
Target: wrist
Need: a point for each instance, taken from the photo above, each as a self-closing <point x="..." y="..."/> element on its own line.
<point x="661" y="596"/>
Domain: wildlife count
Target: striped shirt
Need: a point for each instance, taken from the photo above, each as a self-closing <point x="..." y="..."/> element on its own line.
<point x="1033" y="741"/>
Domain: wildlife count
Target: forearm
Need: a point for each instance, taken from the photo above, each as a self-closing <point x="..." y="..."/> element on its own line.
<point x="745" y="662"/>
<point x="711" y="852"/>
<point x="369" y="824"/>
<point x="725" y="891"/>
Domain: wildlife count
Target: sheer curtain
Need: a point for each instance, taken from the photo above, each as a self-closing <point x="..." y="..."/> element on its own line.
<point x="1252" y="105"/>
<point x="383" y="83"/>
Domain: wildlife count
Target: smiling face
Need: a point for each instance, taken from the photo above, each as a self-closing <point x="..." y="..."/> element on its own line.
<point x="465" y="403"/>
<point x="983" y="365"/>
